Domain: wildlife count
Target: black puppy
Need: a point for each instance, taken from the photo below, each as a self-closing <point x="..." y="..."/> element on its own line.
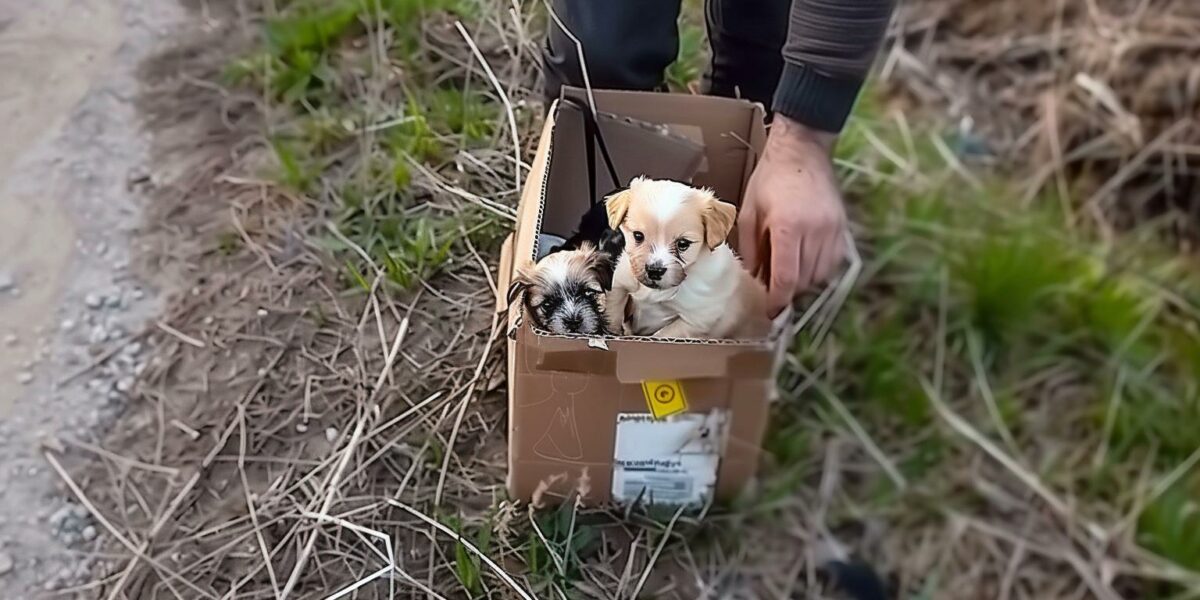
<point x="594" y="230"/>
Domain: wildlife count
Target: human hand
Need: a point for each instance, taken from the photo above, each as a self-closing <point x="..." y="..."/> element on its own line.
<point x="791" y="223"/>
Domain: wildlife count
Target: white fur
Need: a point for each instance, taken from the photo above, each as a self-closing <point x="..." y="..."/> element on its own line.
<point x="716" y="300"/>
<point x="669" y="197"/>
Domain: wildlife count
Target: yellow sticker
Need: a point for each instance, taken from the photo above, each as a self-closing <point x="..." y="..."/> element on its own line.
<point x="665" y="398"/>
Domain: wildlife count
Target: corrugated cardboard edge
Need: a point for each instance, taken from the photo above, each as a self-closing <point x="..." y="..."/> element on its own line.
<point x="514" y="254"/>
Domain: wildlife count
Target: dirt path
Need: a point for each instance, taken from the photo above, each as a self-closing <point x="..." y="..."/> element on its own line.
<point x="68" y="210"/>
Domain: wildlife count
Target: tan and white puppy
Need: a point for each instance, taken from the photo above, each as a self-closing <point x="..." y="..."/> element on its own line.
<point x="683" y="279"/>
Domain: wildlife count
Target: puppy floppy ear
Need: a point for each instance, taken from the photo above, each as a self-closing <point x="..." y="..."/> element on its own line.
<point x="601" y="264"/>
<point x="616" y="205"/>
<point x="522" y="279"/>
<point x="718" y="218"/>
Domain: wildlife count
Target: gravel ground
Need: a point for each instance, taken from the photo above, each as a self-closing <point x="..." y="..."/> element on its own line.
<point x="69" y="215"/>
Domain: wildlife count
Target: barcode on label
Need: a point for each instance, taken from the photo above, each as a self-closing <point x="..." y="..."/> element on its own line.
<point x="658" y="488"/>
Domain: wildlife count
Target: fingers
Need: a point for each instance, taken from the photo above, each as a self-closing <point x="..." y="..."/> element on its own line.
<point x="748" y="238"/>
<point x="785" y="272"/>
<point x="810" y="255"/>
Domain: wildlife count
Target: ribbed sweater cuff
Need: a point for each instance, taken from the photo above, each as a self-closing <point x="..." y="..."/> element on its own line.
<point x="816" y="100"/>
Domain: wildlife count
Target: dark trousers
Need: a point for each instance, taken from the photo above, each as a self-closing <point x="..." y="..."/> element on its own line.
<point x="628" y="45"/>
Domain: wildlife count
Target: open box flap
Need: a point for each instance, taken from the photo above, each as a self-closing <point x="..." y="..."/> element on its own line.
<point x="636" y="148"/>
<point x="730" y="131"/>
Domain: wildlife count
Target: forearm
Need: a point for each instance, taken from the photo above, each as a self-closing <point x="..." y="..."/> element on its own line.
<point x="829" y="50"/>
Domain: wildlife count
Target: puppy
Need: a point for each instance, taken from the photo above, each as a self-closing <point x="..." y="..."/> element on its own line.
<point x="683" y="279"/>
<point x="563" y="291"/>
<point x="594" y="229"/>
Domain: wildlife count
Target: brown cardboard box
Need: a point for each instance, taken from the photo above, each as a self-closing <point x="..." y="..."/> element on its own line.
<point x="580" y="410"/>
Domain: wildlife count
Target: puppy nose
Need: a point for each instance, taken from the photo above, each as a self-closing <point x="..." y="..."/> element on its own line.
<point x="573" y="323"/>
<point x="655" y="272"/>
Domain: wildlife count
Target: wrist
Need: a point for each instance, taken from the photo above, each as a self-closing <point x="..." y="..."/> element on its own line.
<point x="791" y="138"/>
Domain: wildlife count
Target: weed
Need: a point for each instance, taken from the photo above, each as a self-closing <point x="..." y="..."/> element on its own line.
<point x="1170" y="526"/>
<point x="228" y="243"/>
<point x="465" y="114"/>
<point x="569" y="542"/>
<point x="296" y="171"/>
<point x="688" y="66"/>
<point x="467" y="567"/>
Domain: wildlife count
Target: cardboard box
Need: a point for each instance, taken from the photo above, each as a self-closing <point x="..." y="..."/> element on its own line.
<point x="626" y="418"/>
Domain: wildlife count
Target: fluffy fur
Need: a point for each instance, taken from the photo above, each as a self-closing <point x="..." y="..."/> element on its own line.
<point x="563" y="294"/>
<point x="594" y="230"/>
<point x="683" y="279"/>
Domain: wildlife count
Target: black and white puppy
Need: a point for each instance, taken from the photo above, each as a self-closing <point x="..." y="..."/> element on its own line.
<point x="563" y="293"/>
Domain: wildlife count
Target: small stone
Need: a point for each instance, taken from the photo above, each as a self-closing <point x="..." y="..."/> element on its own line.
<point x="113" y="301"/>
<point x="262" y="312"/>
<point x="138" y="294"/>
<point x="208" y="320"/>
<point x="125" y="384"/>
<point x="11" y="339"/>
<point x="331" y="434"/>
<point x="67" y="324"/>
<point x="98" y="335"/>
<point x="24" y="378"/>
<point x="7" y="282"/>
<point x="101" y="249"/>
<point x="93" y="301"/>
<point x="301" y="427"/>
<point x="6" y="564"/>
<point x="89" y="533"/>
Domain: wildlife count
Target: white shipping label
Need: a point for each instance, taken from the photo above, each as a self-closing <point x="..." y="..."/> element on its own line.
<point x="669" y="461"/>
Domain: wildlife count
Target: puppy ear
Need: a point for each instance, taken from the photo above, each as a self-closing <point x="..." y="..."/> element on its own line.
<point x="601" y="264"/>
<point x="616" y="206"/>
<point x="521" y="282"/>
<point x="718" y="218"/>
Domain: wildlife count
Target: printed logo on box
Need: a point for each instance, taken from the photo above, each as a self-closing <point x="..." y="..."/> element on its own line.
<point x="664" y="398"/>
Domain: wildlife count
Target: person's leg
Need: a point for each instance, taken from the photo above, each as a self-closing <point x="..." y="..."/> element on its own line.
<point x="627" y="44"/>
<point x="747" y="40"/>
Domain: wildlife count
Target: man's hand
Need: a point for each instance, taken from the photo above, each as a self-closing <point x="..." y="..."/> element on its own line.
<point x="792" y="219"/>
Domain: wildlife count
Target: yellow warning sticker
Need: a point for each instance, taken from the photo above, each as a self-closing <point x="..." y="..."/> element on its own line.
<point x="665" y="398"/>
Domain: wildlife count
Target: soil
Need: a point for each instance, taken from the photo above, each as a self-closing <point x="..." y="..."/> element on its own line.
<point x="71" y="309"/>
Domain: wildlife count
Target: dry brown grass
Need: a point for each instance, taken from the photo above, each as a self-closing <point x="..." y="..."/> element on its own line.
<point x="1098" y="99"/>
<point x="295" y="434"/>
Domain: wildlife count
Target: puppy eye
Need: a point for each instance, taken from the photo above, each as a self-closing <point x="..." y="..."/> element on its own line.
<point x="638" y="237"/>
<point x="683" y="245"/>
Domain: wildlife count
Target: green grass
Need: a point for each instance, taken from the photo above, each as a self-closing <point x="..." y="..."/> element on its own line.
<point x="1044" y="315"/>
<point x="303" y="64"/>
<point x="1040" y="333"/>
<point x="1170" y="526"/>
<point x="692" y="58"/>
